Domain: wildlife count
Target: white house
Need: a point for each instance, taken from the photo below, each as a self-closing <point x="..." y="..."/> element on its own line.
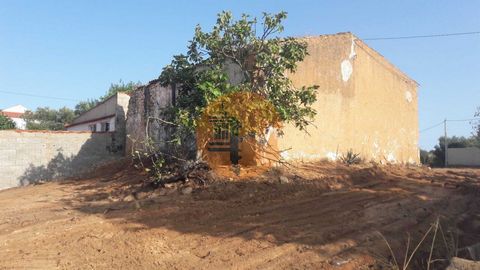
<point x="107" y="116"/>
<point x="16" y="113"/>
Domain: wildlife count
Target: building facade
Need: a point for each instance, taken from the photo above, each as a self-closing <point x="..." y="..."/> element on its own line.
<point x="364" y="104"/>
<point x="16" y="114"/>
<point x="108" y="116"/>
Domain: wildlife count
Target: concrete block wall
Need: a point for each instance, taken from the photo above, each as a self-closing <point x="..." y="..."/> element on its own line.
<point x="469" y="156"/>
<point x="32" y="156"/>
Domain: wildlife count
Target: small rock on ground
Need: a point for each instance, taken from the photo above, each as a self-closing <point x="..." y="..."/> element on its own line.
<point x="284" y="180"/>
<point x="187" y="190"/>
<point x="463" y="264"/>
<point x="129" y="198"/>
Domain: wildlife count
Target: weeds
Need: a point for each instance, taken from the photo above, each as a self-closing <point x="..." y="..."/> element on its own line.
<point x="451" y="248"/>
<point x="350" y="158"/>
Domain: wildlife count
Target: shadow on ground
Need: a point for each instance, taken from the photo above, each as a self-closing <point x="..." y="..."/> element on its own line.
<point x="99" y="149"/>
<point x="332" y="210"/>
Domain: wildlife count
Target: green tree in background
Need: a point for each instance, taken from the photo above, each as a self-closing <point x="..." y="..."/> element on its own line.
<point x="476" y="125"/>
<point x="6" y="123"/>
<point x="114" y="88"/>
<point x="84" y="106"/>
<point x="45" y="118"/>
<point x="120" y="87"/>
<point x="436" y="157"/>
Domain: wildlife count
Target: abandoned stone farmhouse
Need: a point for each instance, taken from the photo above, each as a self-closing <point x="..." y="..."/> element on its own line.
<point x="364" y="104"/>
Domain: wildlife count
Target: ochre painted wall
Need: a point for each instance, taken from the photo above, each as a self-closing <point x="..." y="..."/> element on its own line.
<point x="363" y="103"/>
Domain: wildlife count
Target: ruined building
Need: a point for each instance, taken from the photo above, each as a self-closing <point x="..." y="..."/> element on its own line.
<point x="364" y="103"/>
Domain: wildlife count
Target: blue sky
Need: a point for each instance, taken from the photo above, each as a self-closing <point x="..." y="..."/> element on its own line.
<point x="75" y="49"/>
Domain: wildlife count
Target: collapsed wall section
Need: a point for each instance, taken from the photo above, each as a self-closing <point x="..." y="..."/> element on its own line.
<point x="148" y="119"/>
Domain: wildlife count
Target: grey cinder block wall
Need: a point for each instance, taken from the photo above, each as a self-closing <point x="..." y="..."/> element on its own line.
<point x="31" y="156"/>
<point x="468" y="156"/>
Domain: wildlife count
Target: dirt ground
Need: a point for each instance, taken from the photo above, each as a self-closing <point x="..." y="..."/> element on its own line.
<point x="321" y="216"/>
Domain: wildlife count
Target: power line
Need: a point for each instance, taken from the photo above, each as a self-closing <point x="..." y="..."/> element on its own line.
<point x="425" y="36"/>
<point x="375" y="38"/>
<point x="463" y="120"/>
<point x="453" y="120"/>
<point x="38" y="96"/>
<point x="434" y="126"/>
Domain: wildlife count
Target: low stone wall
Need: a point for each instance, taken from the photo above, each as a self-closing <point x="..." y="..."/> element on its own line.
<point x="32" y="156"/>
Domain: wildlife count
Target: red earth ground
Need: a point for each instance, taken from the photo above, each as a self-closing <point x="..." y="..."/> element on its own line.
<point x="321" y="216"/>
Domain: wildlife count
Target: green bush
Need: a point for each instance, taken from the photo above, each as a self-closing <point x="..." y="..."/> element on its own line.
<point x="6" y="123"/>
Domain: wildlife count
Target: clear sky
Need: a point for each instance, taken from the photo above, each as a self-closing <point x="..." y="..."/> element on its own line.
<point x="75" y="49"/>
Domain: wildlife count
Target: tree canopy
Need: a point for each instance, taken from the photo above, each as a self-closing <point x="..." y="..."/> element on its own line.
<point x="120" y="87"/>
<point x="114" y="88"/>
<point x="476" y="124"/>
<point x="436" y="157"/>
<point x="45" y="118"/>
<point x="260" y="56"/>
<point x="84" y="106"/>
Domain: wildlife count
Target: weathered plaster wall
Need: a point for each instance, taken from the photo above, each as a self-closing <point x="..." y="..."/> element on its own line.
<point x="364" y="103"/>
<point x="32" y="156"/>
<point x="385" y="122"/>
<point x="121" y="110"/>
<point x="147" y="105"/>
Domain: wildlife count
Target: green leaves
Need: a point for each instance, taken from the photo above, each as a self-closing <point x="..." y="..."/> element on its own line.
<point x="120" y="87"/>
<point x="45" y="118"/>
<point x="236" y="56"/>
<point x="86" y="105"/>
<point x="6" y="123"/>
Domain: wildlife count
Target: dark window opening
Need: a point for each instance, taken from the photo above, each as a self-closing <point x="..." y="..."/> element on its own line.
<point x="105" y="127"/>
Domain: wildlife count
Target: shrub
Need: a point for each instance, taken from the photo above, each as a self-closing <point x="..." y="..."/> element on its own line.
<point x="350" y="158"/>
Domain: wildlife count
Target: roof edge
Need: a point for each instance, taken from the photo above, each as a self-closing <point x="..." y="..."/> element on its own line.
<point x="375" y="54"/>
<point x="89" y="121"/>
<point x="378" y="55"/>
<point x="114" y="95"/>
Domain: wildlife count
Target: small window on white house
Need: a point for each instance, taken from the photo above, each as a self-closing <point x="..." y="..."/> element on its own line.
<point x="93" y="128"/>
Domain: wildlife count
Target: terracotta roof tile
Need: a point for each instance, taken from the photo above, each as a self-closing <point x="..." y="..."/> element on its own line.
<point x="12" y="114"/>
